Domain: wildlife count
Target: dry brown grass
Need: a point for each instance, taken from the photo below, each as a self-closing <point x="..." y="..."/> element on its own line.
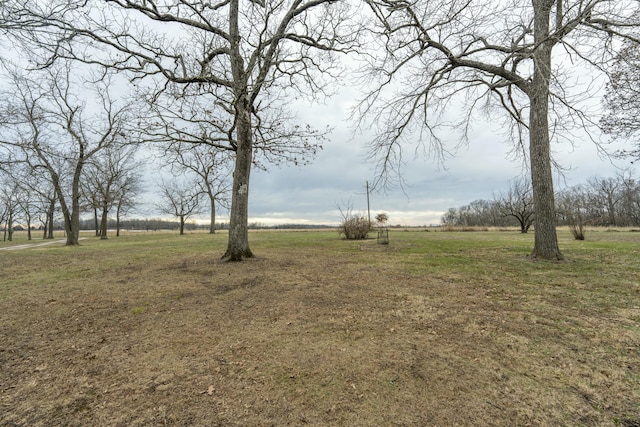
<point x="433" y="329"/>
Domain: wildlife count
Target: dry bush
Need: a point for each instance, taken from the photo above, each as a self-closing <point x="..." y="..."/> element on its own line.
<point x="355" y="227"/>
<point x="577" y="229"/>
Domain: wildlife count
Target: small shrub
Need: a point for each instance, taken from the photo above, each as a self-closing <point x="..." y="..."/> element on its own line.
<point x="577" y="231"/>
<point x="355" y="227"/>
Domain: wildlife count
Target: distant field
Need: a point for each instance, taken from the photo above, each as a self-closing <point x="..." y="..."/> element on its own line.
<point x="436" y="328"/>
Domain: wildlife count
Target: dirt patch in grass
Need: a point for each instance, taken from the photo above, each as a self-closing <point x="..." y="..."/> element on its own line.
<point x="336" y="334"/>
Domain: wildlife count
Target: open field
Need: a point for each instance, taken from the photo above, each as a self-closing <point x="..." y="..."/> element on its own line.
<point x="435" y="329"/>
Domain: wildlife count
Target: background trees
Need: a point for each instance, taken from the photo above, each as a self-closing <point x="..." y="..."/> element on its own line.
<point x="509" y="60"/>
<point x="181" y="200"/>
<point x="212" y="169"/>
<point x="573" y="209"/>
<point x="221" y="75"/>
<point x="578" y="206"/>
<point x="49" y="126"/>
<point x="110" y="180"/>
<point x="622" y="99"/>
<point x="517" y="202"/>
<point x="247" y="56"/>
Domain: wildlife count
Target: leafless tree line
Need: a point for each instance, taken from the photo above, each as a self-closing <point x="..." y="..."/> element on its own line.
<point x="600" y="202"/>
<point x="70" y="147"/>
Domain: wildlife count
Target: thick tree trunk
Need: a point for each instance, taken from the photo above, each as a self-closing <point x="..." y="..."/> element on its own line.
<point x="238" y="245"/>
<point x="72" y="218"/>
<point x="118" y="221"/>
<point x="73" y="228"/>
<point x="523" y="227"/>
<point x="182" y="225"/>
<point x="70" y="222"/>
<point x="546" y="240"/>
<point x="70" y="229"/>
<point x="103" y="224"/>
<point x="95" y="221"/>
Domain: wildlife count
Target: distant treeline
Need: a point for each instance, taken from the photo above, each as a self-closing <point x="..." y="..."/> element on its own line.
<point x="151" y="224"/>
<point x="605" y="202"/>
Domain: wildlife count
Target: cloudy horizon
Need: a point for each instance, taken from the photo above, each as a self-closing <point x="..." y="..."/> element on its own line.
<point x="337" y="177"/>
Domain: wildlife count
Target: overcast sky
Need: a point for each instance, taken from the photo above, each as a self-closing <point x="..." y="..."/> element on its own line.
<point x="337" y="177"/>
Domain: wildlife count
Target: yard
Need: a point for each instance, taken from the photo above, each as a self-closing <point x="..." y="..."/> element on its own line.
<point x="435" y="329"/>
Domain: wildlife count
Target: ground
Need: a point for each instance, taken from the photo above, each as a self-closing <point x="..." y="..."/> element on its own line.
<point x="434" y="329"/>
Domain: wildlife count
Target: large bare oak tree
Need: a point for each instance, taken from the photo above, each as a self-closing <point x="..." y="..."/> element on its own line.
<point x="511" y="59"/>
<point x="243" y="52"/>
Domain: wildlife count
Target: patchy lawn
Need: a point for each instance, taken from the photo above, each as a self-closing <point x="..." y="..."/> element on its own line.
<point x="434" y="329"/>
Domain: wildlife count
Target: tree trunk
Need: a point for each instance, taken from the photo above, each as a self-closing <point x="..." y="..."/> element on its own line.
<point x="103" y="223"/>
<point x="50" y="213"/>
<point x="71" y="217"/>
<point x="181" y="225"/>
<point x="95" y="220"/>
<point x="611" y="207"/>
<point x="69" y="229"/>
<point x="546" y="240"/>
<point x="238" y="245"/>
<point x="212" y="226"/>
<point x="118" y="221"/>
<point x="9" y="225"/>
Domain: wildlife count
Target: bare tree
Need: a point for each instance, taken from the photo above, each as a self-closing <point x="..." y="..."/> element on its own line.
<point x="180" y="200"/>
<point x="630" y="204"/>
<point x="354" y="226"/>
<point x="477" y="55"/>
<point x="27" y="204"/>
<point x="107" y="178"/>
<point x="9" y="205"/>
<point x="242" y="54"/>
<point x="517" y="202"/>
<point x="211" y="166"/>
<point x="126" y="197"/>
<point x="49" y="127"/>
<point x="41" y="190"/>
<point x="607" y="193"/>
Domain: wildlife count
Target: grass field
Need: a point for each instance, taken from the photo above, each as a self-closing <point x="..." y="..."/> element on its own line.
<point x="434" y="329"/>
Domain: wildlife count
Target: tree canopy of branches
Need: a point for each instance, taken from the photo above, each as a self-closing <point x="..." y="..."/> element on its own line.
<point x="512" y="57"/>
<point x="245" y="55"/>
<point x="622" y="100"/>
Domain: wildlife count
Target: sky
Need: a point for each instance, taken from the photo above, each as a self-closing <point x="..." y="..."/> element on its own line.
<point x="337" y="177"/>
